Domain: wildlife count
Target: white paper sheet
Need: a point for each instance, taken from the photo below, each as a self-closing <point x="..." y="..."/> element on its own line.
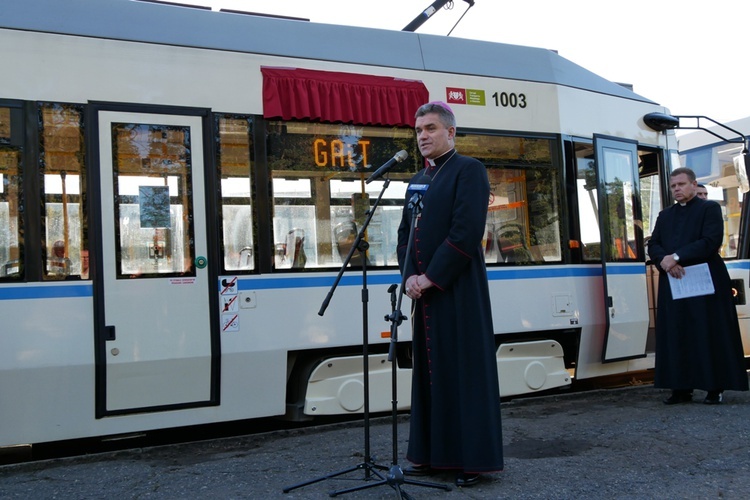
<point x="696" y="282"/>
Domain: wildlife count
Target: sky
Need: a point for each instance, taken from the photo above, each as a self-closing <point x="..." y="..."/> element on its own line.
<point x="686" y="55"/>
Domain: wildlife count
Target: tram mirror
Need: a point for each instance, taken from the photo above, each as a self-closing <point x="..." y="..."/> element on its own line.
<point x="741" y="165"/>
<point x="661" y="121"/>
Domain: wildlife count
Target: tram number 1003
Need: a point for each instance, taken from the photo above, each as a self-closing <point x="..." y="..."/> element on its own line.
<point x="509" y="100"/>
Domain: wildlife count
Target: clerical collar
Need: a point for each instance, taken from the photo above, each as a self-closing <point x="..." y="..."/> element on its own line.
<point x="440" y="160"/>
<point x="689" y="201"/>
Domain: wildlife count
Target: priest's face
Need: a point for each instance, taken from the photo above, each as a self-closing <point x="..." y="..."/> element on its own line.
<point x="683" y="189"/>
<point x="433" y="136"/>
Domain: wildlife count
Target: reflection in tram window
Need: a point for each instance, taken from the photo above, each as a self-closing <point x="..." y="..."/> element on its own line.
<point x="381" y="233"/>
<point x="11" y="234"/>
<point x="620" y="183"/>
<point x="320" y="196"/>
<point x="234" y="162"/>
<point x="523" y="219"/>
<point x="649" y="168"/>
<point x="625" y="221"/>
<point x="152" y="172"/>
<point x="62" y="161"/>
<point x="5" y="125"/>
<point x="588" y="202"/>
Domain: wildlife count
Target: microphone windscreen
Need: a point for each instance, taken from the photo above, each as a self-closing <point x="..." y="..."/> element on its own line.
<point x="419" y="184"/>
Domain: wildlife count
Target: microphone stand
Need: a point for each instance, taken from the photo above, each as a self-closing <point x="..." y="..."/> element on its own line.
<point x="361" y="245"/>
<point x="395" y="477"/>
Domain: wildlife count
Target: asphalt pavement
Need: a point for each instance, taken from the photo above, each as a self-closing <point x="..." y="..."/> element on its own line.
<point x="602" y="444"/>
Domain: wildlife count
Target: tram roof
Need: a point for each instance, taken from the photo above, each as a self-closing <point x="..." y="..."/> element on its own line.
<point x="137" y="21"/>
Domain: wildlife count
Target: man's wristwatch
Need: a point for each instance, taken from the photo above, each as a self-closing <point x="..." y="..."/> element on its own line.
<point x="676" y="257"/>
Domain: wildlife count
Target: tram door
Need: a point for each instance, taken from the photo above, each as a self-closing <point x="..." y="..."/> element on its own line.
<point x="622" y="250"/>
<point x="154" y="329"/>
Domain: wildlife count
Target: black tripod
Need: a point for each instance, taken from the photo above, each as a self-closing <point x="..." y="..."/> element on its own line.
<point x="395" y="477"/>
<point x="361" y="246"/>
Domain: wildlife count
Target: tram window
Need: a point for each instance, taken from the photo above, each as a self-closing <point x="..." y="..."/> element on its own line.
<point x="320" y="198"/>
<point x="623" y="220"/>
<point x="5" y="125"/>
<point x="381" y="233"/>
<point x="649" y="163"/>
<point x="153" y="198"/>
<point x="235" y="167"/>
<point x="62" y="162"/>
<point x="588" y="202"/>
<point x="10" y="215"/>
<point x="523" y="220"/>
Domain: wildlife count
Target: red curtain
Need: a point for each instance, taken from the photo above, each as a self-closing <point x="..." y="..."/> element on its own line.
<point x="324" y="96"/>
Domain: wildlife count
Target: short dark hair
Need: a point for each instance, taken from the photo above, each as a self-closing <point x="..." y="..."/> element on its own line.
<point x="701" y="186"/>
<point x="441" y="109"/>
<point x="683" y="170"/>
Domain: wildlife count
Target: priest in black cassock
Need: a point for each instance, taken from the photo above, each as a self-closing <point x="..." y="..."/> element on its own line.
<point x="698" y="342"/>
<point x="455" y="407"/>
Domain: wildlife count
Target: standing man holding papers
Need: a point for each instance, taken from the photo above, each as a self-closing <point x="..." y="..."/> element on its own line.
<point x="698" y="342"/>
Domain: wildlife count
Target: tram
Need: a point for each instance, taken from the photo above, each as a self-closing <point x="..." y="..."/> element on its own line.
<point x="180" y="188"/>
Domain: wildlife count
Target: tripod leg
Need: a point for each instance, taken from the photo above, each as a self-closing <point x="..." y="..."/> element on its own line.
<point x="329" y="476"/>
<point x="357" y="488"/>
<point x="427" y="484"/>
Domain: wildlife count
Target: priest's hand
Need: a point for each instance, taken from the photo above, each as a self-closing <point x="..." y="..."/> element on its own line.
<point x="671" y="266"/>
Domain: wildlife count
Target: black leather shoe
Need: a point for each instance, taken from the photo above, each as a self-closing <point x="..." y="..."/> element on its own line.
<point x="713" y="398"/>
<point x="678" y="397"/>
<point x="419" y="470"/>
<point x="464" y="479"/>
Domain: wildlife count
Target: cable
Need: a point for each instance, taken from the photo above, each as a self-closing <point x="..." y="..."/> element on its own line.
<point x="471" y="4"/>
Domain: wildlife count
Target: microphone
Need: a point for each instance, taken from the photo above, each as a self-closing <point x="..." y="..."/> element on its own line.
<point x="415" y="191"/>
<point x="397" y="158"/>
<point x="419" y="185"/>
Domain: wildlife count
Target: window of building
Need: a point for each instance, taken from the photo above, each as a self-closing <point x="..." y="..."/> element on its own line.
<point x="715" y="167"/>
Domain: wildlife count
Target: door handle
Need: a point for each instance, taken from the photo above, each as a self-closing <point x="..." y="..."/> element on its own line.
<point x="109" y="332"/>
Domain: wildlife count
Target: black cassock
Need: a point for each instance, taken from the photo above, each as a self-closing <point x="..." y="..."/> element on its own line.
<point x="455" y="408"/>
<point x="698" y="342"/>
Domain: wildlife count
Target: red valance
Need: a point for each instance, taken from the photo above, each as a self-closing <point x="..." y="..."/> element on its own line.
<point x="324" y="96"/>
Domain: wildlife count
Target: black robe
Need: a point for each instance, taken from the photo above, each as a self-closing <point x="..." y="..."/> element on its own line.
<point x="455" y="408"/>
<point x="698" y="342"/>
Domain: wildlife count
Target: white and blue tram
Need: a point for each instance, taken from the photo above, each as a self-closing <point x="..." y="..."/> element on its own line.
<point x="179" y="187"/>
